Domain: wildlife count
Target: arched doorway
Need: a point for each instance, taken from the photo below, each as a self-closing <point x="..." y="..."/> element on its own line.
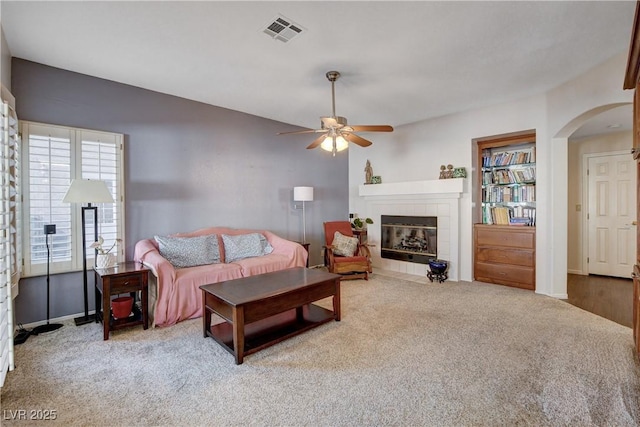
<point x="597" y="254"/>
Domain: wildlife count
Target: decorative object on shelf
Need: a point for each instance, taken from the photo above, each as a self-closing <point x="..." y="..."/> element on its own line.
<point x="104" y="259"/>
<point x="447" y="172"/>
<point x="459" y="173"/>
<point x="121" y="307"/>
<point x="303" y="194"/>
<point x="368" y="173"/>
<point x="438" y="270"/>
<point x="376" y="179"/>
<point x="360" y="224"/>
<point x="87" y="191"/>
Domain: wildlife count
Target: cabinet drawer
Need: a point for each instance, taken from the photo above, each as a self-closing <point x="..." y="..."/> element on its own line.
<point x="511" y="239"/>
<point x="506" y="256"/>
<point x="505" y="274"/>
<point x="125" y="282"/>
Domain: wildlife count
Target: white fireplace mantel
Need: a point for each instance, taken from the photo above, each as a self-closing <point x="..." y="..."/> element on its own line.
<point x="452" y="187"/>
<point x="440" y="198"/>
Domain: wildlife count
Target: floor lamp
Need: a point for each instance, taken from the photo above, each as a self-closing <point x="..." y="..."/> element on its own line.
<point x="303" y="194"/>
<point x="49" y="229"/>
<point x="87" y="191"/>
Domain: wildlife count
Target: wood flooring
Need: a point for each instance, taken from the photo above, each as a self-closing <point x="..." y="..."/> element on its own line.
<point x="609" y="297"/>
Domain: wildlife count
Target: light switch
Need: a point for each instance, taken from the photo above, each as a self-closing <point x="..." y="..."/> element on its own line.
<point x="578" y="208"/>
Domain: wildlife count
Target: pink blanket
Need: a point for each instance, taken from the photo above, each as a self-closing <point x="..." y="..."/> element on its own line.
<point x="178" y="293"/>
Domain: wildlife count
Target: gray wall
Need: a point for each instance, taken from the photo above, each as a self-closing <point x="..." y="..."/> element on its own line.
<point x="5" y="61"/>
<point x="188" y="165"/>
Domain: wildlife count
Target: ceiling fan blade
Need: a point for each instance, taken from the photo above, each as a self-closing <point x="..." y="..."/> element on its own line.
<point x="301" y="131"/>
<point x="372" y="128"/>
<point x="316" y="142"/>
<point x="358" y="140"/>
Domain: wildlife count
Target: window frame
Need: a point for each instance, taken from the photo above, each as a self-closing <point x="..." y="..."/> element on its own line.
<point x="76" y="138"/>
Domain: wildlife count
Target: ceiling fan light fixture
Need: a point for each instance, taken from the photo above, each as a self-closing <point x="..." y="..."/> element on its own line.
<point x="336" y="133"/>
<point x="341" y="144"/>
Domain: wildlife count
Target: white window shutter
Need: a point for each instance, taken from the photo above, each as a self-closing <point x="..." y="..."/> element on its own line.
<point x="9" y="257"/>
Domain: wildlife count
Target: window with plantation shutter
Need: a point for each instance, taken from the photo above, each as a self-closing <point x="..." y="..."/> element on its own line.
<point x="9" y="226"/>
<point x="53" y="156"/>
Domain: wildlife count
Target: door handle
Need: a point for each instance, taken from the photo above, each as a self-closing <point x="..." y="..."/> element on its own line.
<point x="634" y="222"/>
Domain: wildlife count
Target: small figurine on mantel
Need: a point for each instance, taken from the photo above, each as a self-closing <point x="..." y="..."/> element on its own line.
<point x="449" y="171"/>
<point x="442" y="172"/>
<point x="446" y="172"/>
<point x="368" y="173"/>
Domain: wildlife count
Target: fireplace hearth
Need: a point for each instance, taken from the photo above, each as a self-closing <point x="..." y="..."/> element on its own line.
<point x="409" y="238"/>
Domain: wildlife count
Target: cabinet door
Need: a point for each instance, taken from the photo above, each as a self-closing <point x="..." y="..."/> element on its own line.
<point x="636" y="267"/>
<point x="636" y="308"/>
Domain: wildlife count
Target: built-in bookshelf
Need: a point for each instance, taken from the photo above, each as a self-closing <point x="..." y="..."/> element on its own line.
<point x="505" y="216"/>
<point x="508" y="188"/>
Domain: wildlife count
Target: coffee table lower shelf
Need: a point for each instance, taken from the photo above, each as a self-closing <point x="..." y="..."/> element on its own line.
<point x="272" y="330"/>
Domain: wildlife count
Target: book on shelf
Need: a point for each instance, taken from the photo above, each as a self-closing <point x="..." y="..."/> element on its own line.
<point x="502" y="215"/>
<point x="519" y="221"/>
<point x="508" y="158"/>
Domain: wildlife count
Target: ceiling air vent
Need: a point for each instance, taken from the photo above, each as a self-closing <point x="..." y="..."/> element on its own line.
<point x="283" y="29"/>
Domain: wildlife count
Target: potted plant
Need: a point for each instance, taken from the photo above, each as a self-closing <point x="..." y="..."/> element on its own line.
<point x="104" y="259"/>
<point x="359" y="223"/>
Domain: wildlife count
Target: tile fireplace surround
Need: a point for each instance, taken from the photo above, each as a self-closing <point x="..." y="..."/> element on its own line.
<point x="440" y="198"/>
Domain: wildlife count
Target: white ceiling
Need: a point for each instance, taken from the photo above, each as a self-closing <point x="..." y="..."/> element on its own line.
<point x="400" y="62"/>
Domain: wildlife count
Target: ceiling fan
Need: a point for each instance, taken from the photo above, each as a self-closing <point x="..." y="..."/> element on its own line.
<point x="336" y="133"/>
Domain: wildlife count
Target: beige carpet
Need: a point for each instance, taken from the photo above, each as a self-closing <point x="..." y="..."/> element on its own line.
<point x="405" y="354"/>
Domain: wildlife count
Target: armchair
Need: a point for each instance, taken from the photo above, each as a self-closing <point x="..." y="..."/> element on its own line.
<point x="356" y="266"/>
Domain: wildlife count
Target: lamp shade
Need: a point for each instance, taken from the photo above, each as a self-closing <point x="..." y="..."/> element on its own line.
<point x="341" y="144"/>
<point x="88" y="191"/>
<point x="303" y="194"/>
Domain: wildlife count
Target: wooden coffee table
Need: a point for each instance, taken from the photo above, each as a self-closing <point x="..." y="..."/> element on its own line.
<point x="265" y="309"/>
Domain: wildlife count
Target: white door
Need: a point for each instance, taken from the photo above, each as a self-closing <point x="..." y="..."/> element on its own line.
<point x="612" y="215"/>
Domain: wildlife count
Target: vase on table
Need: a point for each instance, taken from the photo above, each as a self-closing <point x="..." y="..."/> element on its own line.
<point x="105" y="260"/>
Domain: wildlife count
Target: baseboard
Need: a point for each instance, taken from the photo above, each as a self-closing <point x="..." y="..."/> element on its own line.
<point x="55" y="320"/>
<point x="557" y="296"/>
<point x="579" y="272"/>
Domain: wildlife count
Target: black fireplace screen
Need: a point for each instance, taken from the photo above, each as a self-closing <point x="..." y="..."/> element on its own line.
<point x="409" y="238"/>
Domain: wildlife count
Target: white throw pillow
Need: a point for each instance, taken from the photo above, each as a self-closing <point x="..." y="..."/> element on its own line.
<point x="344" y="245"/>
<point x="245" y="246"/>
<point x="189" y="251"/>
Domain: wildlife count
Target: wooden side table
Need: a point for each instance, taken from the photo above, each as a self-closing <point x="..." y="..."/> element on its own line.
<point x="361" y="235"/>
<point x="306" y="248"/>
<point x="125" y="277"/>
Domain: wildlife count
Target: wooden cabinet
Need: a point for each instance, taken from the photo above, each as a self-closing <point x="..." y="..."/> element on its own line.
<point x="504" y="233"/>
<point x="632" y="81"/>
<point x="505" y="255"/>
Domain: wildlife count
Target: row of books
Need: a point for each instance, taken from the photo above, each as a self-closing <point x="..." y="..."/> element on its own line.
<point x="521" y="193"/>
<point x="509" y="176"/>
<point x="508" y="158"/>
<point x="502" y="215"/>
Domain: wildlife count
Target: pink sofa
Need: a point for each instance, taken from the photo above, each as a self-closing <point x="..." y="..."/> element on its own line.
<point x="174" y="293"/>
